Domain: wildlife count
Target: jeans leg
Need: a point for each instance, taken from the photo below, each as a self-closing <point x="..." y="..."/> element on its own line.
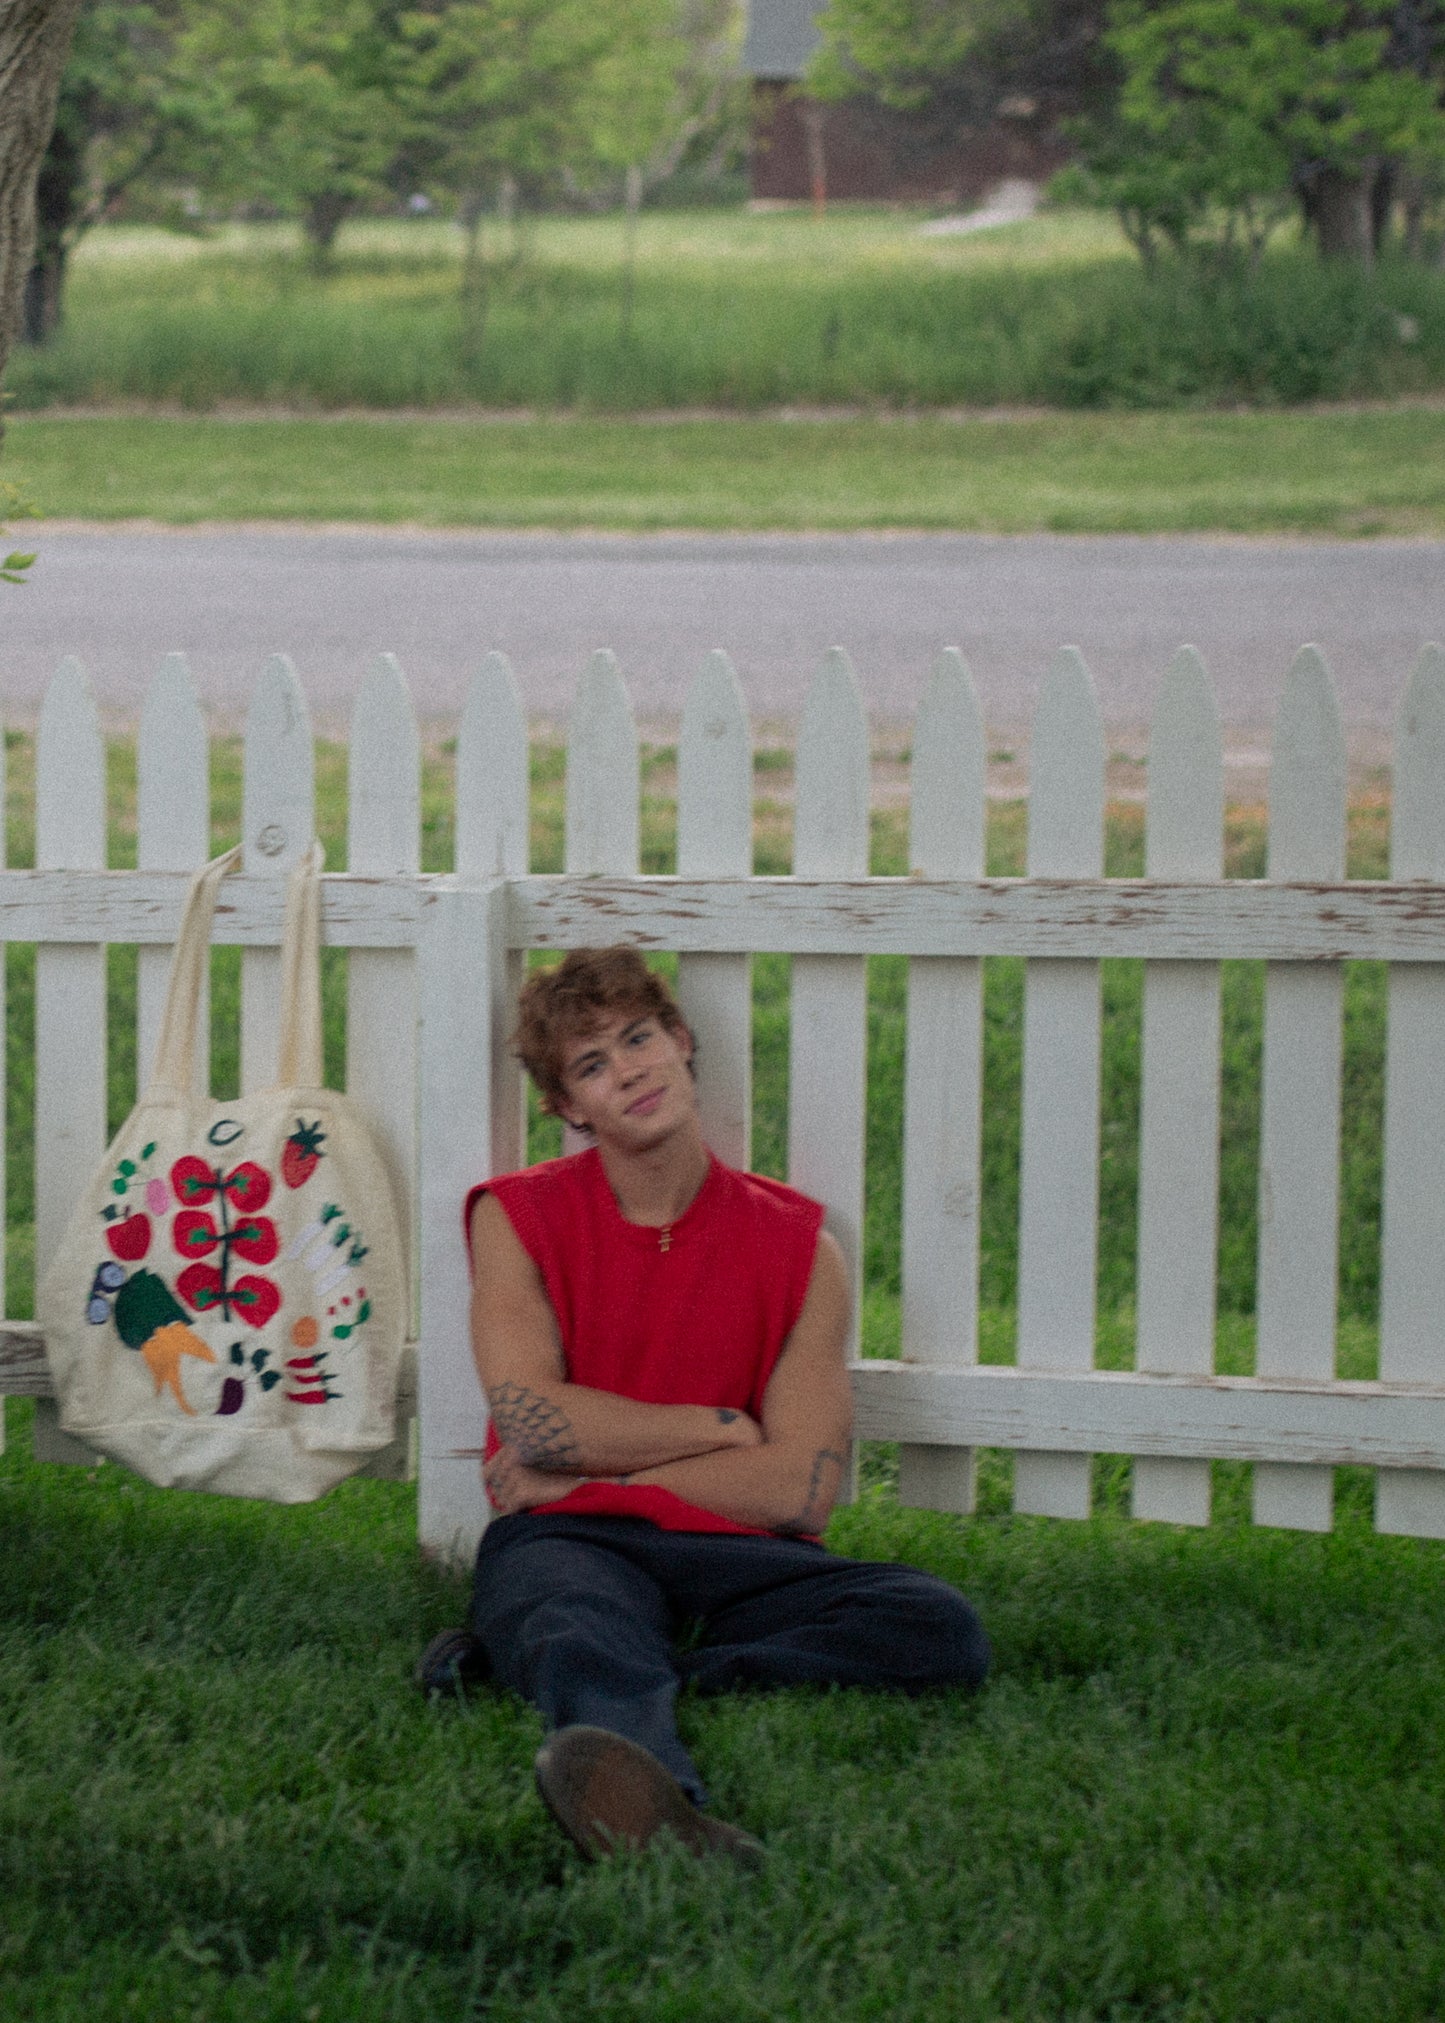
<point x="585" y="1635"/>
<point x="848" y="1623"/>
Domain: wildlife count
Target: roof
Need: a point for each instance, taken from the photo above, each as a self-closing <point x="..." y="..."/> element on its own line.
<point x="781" y="37"/>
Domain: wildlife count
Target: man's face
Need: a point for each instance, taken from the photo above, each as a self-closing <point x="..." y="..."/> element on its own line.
<point x="628" y="1082"/>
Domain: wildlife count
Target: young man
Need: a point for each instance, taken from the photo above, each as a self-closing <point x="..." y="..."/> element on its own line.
<point x="661" y="1342"/>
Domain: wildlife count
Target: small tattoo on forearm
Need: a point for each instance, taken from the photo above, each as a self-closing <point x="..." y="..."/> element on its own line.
<point x="726" y="1416"/>
<point x="540" y="1431"/>
<point x="815" y="1504"/>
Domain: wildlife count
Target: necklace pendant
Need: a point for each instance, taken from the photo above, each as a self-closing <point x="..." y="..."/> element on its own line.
<point x="664" y="1241"/>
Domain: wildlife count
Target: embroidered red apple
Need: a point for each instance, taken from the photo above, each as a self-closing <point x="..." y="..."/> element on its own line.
<point x="130" y="1238"/>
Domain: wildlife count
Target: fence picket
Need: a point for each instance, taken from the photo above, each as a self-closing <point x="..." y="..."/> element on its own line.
<point x="1179" y="1125"/>
<point x="714" y="840"/>
<point x="827" y="1055"/>
<point x="1412" y="1273"/>
<point x="70" y="1020"/>
<point x="943" y="1078"/>
<point x="173" y="833"/>
<point x="1300" y="1120"/>
<point x="491" y="797"/>
<point x="278" y="821"/>
<point x="1059" y="1152"/>
<point x="603" y="787"/>
<point x="383" y="836"/>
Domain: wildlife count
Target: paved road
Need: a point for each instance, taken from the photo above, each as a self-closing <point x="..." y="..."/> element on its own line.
<point x="121" y="597"/>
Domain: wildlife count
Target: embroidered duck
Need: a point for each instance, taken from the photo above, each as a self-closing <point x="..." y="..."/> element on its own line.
<point x="148" y="1318"/>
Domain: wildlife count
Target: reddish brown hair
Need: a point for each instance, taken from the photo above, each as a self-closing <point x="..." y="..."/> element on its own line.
<point x="586" y="989"/>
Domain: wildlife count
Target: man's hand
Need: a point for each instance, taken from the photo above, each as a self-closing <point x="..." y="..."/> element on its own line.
<point x="513" y="1485"/>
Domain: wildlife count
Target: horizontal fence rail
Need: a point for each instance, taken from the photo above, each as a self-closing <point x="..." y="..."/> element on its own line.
<point x="434" y="961"/>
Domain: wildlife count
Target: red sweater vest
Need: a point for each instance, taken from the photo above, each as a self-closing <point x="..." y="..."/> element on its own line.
<point x="697" y="1315"/>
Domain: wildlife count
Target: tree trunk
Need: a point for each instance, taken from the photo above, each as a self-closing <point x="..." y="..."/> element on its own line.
<point x="58" y="190"/>
<point x="1342" y="214"/>
<point x="34" y="42"/>
<point x="323" y="218"/>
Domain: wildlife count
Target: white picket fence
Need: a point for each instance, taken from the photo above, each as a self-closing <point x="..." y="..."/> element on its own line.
<point x="435" y="962"/>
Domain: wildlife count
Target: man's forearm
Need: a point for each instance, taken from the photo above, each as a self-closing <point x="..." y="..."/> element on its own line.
<point x="571" y="1429"/>
<point x="777" y="1487"/>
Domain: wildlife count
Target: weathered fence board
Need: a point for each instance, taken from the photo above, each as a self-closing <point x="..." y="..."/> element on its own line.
<point x="715" y="840"/>
<point x="1059" y="1151"/>
<point x="70" y="1016"/>
<point x="173" y="833"/>
<point x="1412" y="1265"/>
<point x="943" y="1079"/>
<point x="278" y="819"/>
<point x="1300" y="1111"/>
<point x="827" y="1048"/>
<point x="1179" y="1125"/>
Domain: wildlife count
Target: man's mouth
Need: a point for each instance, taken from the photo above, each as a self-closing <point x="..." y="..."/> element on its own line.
<point x="645" y="1105"/>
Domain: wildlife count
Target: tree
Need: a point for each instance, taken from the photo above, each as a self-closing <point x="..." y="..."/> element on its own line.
<point x="35" y="37"/>
<point x="1230" y="111"/>
<point x="127" y="109"/>
<point x="958" y="63"/>
<point x="309" y="88"/>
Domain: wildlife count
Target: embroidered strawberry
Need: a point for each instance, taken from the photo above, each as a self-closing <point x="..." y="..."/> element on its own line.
<point x="301" y="1154"/>
<point x="130" y="1238"/>
<point x="254" y="1300"/>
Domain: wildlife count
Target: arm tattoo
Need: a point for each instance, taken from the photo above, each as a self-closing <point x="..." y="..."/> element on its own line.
<point x="725" y="1417"/>
<point x="540" y="1431"/>
<point x="815" y="1508"/>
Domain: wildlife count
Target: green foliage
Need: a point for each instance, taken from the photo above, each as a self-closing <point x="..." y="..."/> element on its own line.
<point x="1230" y="109"/>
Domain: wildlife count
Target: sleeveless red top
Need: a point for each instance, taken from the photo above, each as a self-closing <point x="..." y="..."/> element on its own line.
<point x="695" y="1315"/>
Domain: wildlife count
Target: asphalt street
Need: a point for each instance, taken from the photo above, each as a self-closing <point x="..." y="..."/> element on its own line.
<point x="121" y="597"/>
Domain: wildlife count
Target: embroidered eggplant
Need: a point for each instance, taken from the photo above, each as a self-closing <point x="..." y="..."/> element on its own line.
<point x="148" y="1318"/>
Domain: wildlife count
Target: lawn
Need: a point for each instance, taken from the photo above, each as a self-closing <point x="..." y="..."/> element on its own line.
<point x="1334" y="472"/>
<point x="1204" y="1781"/>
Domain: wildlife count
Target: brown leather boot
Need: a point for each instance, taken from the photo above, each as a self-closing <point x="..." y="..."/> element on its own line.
<point x="607" y="1793"/>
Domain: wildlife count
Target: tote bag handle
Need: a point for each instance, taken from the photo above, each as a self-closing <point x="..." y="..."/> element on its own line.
<point x="299" y="1055"/>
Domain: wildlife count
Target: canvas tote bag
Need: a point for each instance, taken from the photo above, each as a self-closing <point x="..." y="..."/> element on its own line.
<point x="227" y="1307"/>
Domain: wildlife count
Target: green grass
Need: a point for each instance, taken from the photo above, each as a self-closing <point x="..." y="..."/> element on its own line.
<point x="732" y="311"/>
<point x="1203" y="1783"/>
<point x="1336" y="472"/>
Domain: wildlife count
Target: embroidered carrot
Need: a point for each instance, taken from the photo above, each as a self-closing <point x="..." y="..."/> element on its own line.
<point x="149" y="1319"/>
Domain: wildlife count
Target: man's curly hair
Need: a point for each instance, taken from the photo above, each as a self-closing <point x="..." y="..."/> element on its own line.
<point x="582" y="992"/>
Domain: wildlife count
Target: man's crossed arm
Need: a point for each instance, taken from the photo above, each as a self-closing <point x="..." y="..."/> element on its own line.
<point x="782" y="1474"/>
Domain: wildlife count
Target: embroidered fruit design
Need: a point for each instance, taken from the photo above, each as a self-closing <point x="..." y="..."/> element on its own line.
<point x="233" y="1390"/>
<point x="308" y="1381"/>
<point x="130" y="1238"/>
<point x="219" y="1215"/>
<point x="301" y="1154"/>
<point x="148" y="1318"/>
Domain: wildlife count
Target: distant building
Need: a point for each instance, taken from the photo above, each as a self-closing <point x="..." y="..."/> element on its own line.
<point x="862" y="150"/>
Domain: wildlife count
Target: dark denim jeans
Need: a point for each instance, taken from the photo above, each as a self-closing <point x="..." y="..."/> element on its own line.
<point x="581" y="1615"/>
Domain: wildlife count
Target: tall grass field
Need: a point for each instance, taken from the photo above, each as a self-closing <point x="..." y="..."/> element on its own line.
<point x="1204" y="1782"/>
<point x="727" y="311"/>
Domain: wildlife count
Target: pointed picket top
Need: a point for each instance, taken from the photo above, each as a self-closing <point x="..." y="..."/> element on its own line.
<point x="1066" y="768"/>
<point x="173" y="789"/>
<point x="947" y="774"/>
<point x="383" y="825"/>
<point x="69" y="775"/>
<point x="715" y="776"/>
<point x="1307" y="775"/>
<point x="278" y="795"/>
<point x="1184" y="830"/>
<point x="830" y="822"/>
<point x="1417" y="824"/>
<point x="492" y="777"/>
<point x="602" y="773"/>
